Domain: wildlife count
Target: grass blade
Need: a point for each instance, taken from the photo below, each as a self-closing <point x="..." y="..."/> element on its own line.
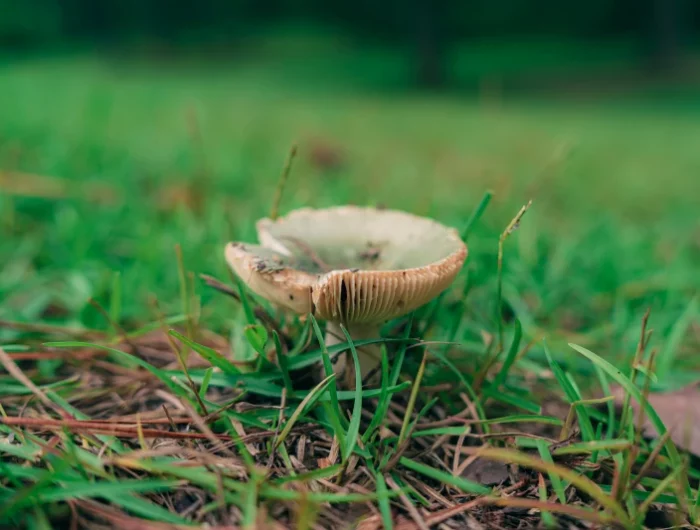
<point x="581" y="482"/>
<point x="412" y="399"/>
<point x="572" y="395"/>
<point x="328" y="368"/>
<point x="210" y="355"/>
<point x="557" y="484"/>
<point x="476" y="214"/>
<point x="354" y="427"/>
<point x="458" y="482"/>
<point x="398" y="360"/>
<point x="301" y="408"/>
<point x="667" y="357"/>
<point x="510" y="357"/>
<point x="283" y="363"/>
<point x="633" y="391"/>
<point x="383" y="402"/>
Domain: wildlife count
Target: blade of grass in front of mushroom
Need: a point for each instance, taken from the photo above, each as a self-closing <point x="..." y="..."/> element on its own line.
<point x="243" y="297"/>
<point x="283" y="363"/>
<point x="466" y="231"/>
<point x="401" y="354"/>
<point x="354" y="427"/>
<point x="257" y="337"/>
<point x="412" y="399"/>
<point x="304" y="360"/>
<point x="383" y="401"/>
<point x="328" y="368"/>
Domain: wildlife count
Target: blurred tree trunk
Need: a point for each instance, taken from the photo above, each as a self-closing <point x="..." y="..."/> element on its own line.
<point x="431" y="43"/>
<point x="664" y="34"/>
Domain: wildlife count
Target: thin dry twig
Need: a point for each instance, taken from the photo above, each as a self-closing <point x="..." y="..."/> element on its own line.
<point x="412" y="511"/>
<point x="50" y="329"/>
<point x="16" y="372"/>
<point x="258" y="311"/>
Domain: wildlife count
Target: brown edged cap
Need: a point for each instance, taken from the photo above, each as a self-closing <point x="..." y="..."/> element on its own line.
<point x="350" y="264"/>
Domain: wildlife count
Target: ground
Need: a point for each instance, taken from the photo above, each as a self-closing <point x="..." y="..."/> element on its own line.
<point x="133" y="387"/>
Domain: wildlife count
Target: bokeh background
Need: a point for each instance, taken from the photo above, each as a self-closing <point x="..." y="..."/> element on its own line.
<point x="127" y="127"/>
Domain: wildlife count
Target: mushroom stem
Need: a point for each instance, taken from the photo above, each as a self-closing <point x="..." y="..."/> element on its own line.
<point x="369" y="356"/>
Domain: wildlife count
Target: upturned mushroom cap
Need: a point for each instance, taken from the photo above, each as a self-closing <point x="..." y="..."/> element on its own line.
<point x="355" y="265"/>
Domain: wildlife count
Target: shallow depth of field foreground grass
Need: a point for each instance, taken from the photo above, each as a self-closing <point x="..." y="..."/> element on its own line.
<point x="140" y="389"/>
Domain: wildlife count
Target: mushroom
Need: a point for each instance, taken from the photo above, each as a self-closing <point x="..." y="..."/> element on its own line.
<point x="356" y="266"/>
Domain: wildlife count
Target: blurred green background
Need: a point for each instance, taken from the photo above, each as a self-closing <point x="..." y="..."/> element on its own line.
<point x="128" y="127"/>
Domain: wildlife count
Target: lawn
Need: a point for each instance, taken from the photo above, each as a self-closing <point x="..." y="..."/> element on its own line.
<point x="122" y="181"/>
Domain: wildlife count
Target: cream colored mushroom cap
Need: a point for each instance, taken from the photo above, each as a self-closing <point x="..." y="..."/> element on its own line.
<point x="356" y="265"/>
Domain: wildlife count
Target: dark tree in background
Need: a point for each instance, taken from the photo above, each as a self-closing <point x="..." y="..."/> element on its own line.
<point x="431" y="43"/>
<point x="663" y="33"/>
<point x="427" y="29"/>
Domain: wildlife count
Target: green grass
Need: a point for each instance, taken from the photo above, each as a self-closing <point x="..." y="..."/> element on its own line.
<point x="191" y="157"/>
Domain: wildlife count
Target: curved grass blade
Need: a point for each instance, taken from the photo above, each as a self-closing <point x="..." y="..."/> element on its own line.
<point x="582" y="482"/>
<point x="282" y="361"/>
<point x="383" y="402"/>
<point x="510" y="357"/>
<point x="328" y="368"/>
<point x="210" y="355"/>
<point x="557" y="484"/>
<point x="633" y="391"/>
<point x="458" y="482"/>
<point x="307" y="401"/>
<point x="354" y="426"/>
<point x="572" y="395"/>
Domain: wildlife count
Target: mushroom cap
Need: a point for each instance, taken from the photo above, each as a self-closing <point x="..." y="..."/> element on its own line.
<point x="356" y="265"/>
